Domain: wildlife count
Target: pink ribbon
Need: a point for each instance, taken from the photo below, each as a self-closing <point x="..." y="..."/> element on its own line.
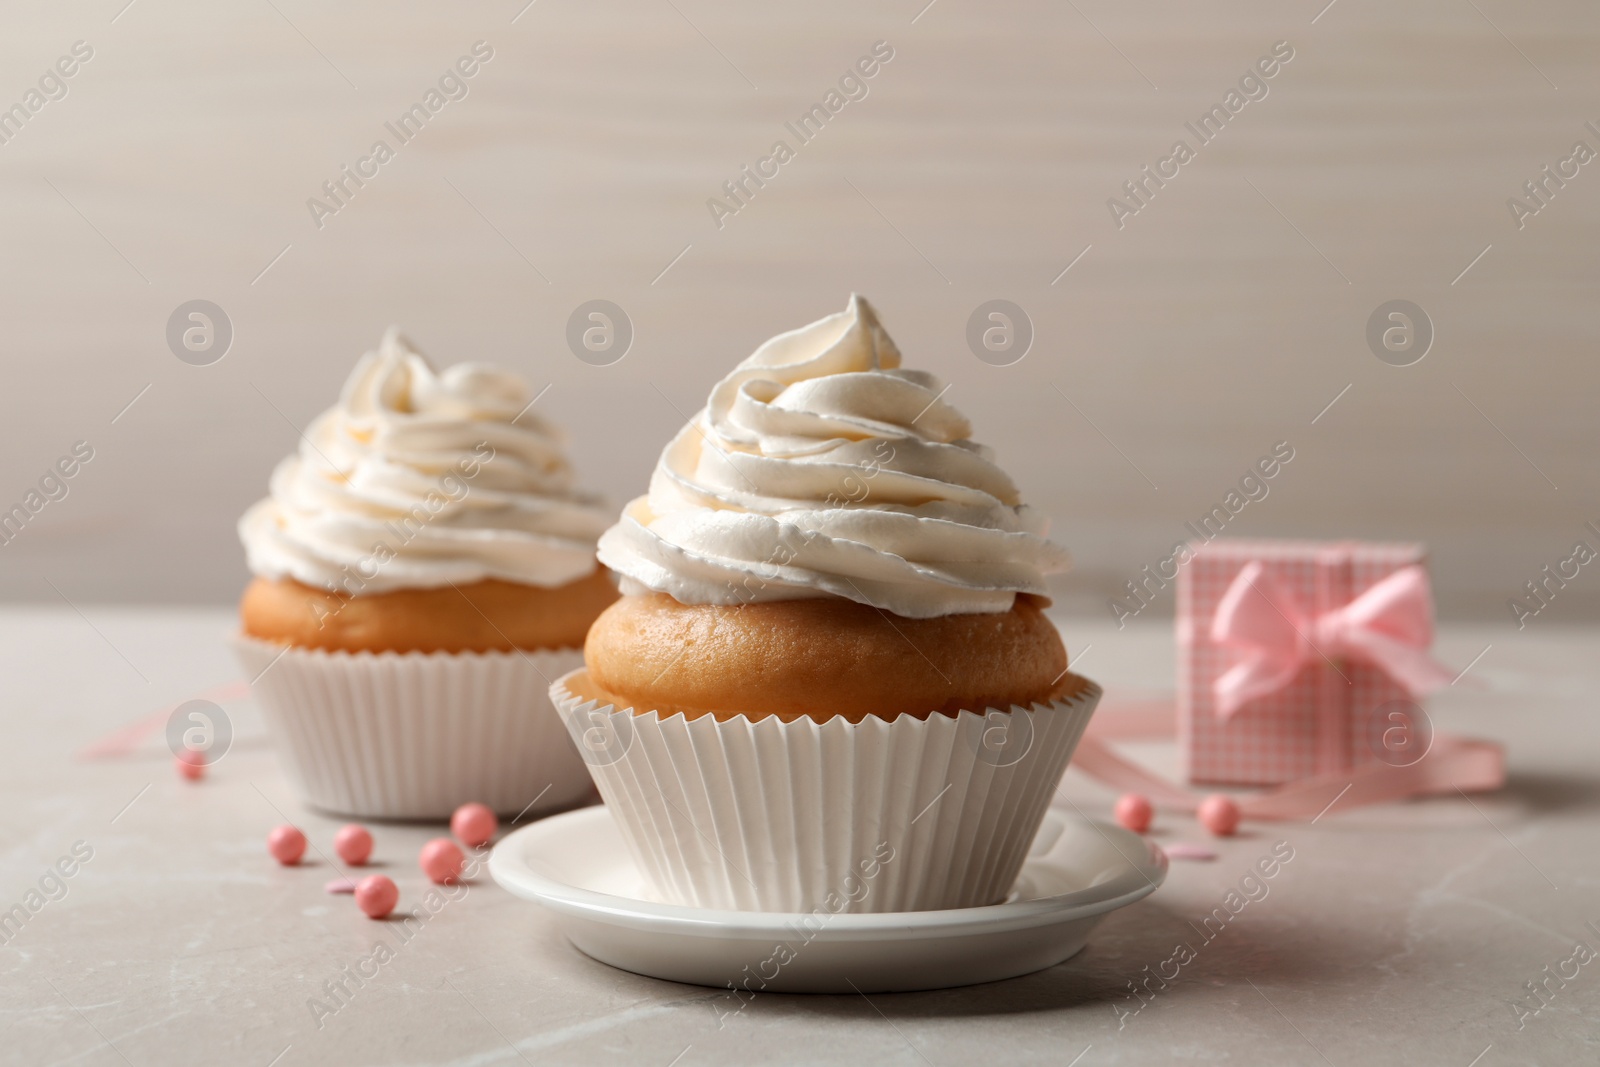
<point x="1390" y="626"/>
<point x="125" y="741"/>
<point x="1451" y="765"/>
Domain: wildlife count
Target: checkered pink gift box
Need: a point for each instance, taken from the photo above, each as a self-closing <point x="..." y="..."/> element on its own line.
<point x="1316" y="718"/>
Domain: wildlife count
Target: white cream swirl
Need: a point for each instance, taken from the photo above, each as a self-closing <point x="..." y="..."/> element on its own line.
<point x="820" y="468"/>
<point x="418" y="479"/>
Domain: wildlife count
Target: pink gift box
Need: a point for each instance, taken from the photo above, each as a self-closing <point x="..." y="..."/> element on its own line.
<point x="1322" y="719"/>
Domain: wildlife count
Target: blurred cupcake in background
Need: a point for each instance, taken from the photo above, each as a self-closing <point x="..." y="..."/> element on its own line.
<point x="830" y="682"/>
<point x="423" y="570"/>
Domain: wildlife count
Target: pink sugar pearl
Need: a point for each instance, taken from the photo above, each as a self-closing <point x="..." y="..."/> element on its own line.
<point x="1219" y="814"/>
<point x="1135" y="811"/>
<point x="286" y="844"/>
<point x="442" y="860"/>
<point x="474" y="824"/>
<point x="191" y="765"/>
<point x="377" y="895"/>
<point x="353" y="844"/>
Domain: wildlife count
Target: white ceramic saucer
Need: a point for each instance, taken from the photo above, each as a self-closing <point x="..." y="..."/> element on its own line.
<point x="577" y="866"/>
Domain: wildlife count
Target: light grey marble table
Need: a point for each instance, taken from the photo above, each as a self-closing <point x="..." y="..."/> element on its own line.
<point x="1400" y="934"/>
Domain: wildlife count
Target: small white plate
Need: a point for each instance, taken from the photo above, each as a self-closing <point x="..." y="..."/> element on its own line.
<point x="577" y="866"/>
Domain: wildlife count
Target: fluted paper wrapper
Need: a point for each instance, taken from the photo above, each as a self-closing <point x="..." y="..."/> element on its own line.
<point x="883" y="815"/>
<point x="416" y="735"/>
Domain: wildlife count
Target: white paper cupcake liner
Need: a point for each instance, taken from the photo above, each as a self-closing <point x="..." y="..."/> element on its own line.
<point x="906" y="814"/>
<point x="416" y="735"/>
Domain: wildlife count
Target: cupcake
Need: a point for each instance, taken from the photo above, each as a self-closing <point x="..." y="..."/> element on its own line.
<point x="829" y="684"/>
<point x="423" y="571"/>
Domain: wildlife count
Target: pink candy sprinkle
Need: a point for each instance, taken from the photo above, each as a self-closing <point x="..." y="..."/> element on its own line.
<point x="442" y="860"/>
<point x="191" y="765"/>
<point x="340" y="885"/>
<point x="377" y="895"/>
<point x="1219" y="814"/>
<point x="1182" y="850"/>
<point x="353" y="844"/>
<point x="1135" y="811"/>
<point x="474" y="824"/>
<point x="286" y="844"/>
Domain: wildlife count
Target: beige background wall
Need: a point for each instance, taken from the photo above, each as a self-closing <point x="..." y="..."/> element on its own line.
<point x="1221" y="319"/>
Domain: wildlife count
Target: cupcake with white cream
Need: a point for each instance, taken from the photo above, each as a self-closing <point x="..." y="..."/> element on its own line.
<point x="423" y="568"/>
<point x="831" y="646"/>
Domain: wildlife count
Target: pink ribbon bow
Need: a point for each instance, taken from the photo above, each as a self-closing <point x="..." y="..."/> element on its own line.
<point x="1389" y="626"/>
